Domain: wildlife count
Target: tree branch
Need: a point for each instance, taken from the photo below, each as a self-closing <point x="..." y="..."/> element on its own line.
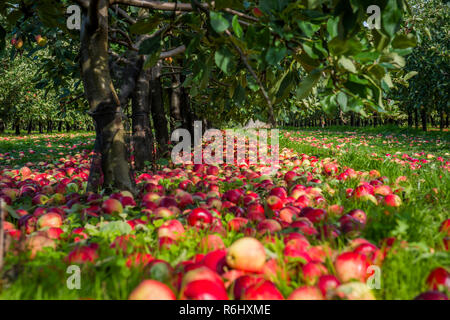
<point x="172" y="52"/>
<point x="125" y="15"/>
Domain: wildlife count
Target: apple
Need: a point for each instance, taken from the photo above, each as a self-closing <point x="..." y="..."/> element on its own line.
<point x="246" y="254"/>
<point x="359" y="215"/>
<point x="327" y="283"/>
<point x="172" y="229"/>
<point x="18" y="44"/>
<point x="83" y="254"/>
<point x="268" y="226"/>
<point x="431" y="295"/>
<point x="438" y="279"/>
<point x="279" y="192"/>
<point x="237" y="224"/>
<point x="199" y="217"/>
<point x="215" y="260"/>
<point x="242" y="283"/>
<point x="354" y="291"/>
<point x="50" y="220"/>
<point x="36" y="243"/>
<point x="351" y="266"/>
<point x="211" y="242"/>
<point x="203" y="290"/>
<point x="274" y="202"/>
<point x="306" y="293"/>
<point x="257" y="12"/>
<point x="152" y="290"/>
<point x="39" y="199"/>
<point x="312" y="271"/>
<point x="163" y="212"/>
<point x="263" y="290"/>
<point x="111" y="206"/>
<point x="392" y="200"/>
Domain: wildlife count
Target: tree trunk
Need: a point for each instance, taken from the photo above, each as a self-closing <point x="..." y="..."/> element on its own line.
<point x="158" y="112"/>
<point x="2" y="126"/>
<point x="424" y="119"/>
<point x="175" y="93"/>
<point x="49" y="126"/>
<point x="67" y="126"/>
<point x="186" y="111"/>
<point x="110" y="167"/>
<point x="41" y="129"/>
<point x="410" y="119"/>
<point x="30" y="126"/>
<point x="17" y="127"/>
<point x="416" y="118"/>
<point x="142" y="132"/>
<point x="60" y="123"/>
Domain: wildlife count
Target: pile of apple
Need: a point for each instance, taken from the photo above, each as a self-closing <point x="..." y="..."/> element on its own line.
<point x="286" y="239"/>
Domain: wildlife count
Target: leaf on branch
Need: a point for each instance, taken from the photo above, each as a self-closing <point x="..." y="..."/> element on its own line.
<point x="308" y="83"/>
<point x="218" y="22"/>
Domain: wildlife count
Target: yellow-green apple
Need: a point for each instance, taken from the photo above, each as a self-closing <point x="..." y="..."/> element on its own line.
<point x="306" y="293"/>
<point x="246" y="254"/>
<point x="152" y="290"/>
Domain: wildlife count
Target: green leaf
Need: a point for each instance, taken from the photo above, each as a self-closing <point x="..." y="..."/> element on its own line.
<point x="275" y="55"/>
<point x="342" y="100"/>
<point x="145" y="26"/>
<point x="239" y="95"/>
<point x="150" y="46"/>
<point x="218" y="22"/>
<point x="237" y="27"/>
<point x="409" y="75"/>
<point x="403" y="41"/>
<point x="347" y="64"/>
<point x="284" y="88"/>
<point x="308" y="28"/>
<point x="224" y="59"/>
<point x="393" y="58"/>
<point x="308" y="83"/>
<point x="391" y="17"/>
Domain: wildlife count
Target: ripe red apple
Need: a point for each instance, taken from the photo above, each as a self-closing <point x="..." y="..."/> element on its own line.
<point x="199" y="217"/>
<point x="438" y="279"/>
<point x="280" y="192"/>
<point x="431" y="295"/>
<point x="268" y="226"/>
<point x="211" y="242"/>
<point x="52" y="220"/>
<point x="327" y="283"/>
<point x="203" y="290"/>
<point x="244" y="282"/>
<point x="306" y="293"/>
<point x="392" y="200"/>
<point x="216" y="260"/>
<point x="246" y="254"/>
<point x="312" y="271"/>
<point x="111" y="206"/>
<point x="152" y="290"/>
<point x="172" y="229"/>
<point x="264" y="290"/>
<point x="359" y="215"/>
<point x="274" y="202"/>
<point x="83" y="254"/>
<point x="351" y="266"/>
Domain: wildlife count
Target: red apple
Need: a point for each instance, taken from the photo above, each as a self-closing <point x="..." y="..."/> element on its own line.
<point x="351" y="266"/>
<point x="264" y="290"/>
